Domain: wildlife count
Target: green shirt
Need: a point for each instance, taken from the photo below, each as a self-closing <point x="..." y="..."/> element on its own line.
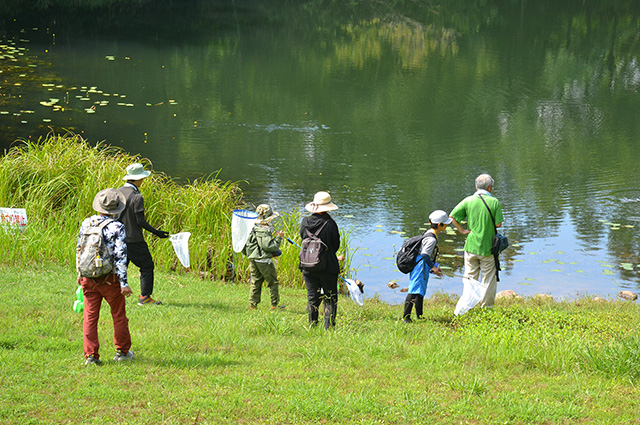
<point x="479" y="222"/>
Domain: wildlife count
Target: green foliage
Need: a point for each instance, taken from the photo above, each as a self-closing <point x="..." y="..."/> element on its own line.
<point x="616" y="359"/>
<point x="55" y="179"/>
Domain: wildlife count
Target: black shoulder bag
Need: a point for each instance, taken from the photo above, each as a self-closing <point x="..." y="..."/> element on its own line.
<point x="500" y="242"/>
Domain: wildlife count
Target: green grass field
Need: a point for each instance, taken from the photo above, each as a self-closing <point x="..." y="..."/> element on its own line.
<point x="204" y="357"/>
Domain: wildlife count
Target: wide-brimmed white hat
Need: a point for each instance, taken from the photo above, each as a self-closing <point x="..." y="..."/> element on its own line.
<point x="265" y="214"/>
<point x="321" y="203"/>
<point x="136" y="172"/>
<point x="109" y="201"/>
<point x="440" y="217"/>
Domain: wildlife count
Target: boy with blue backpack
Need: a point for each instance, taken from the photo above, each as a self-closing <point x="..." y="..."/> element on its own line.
<point x="424" y="254"/>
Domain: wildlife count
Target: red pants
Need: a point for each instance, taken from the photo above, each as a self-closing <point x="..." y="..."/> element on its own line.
<point x="93" y="295"/>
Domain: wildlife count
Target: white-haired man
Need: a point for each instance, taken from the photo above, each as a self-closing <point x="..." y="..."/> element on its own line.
<point x="479" y="263"/>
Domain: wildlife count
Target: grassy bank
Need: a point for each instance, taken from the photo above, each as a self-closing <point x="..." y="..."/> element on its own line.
<point x="56" y="179"/>
<point x="204" y="357"/>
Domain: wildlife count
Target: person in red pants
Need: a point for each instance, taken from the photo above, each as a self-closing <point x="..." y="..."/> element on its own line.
<point x="113" y="286"/>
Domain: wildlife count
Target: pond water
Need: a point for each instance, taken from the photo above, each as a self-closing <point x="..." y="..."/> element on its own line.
<point x="395" y="112"/>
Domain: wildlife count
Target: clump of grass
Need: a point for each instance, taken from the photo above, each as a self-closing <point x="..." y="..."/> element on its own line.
<point x="56" y="178"/>
<point x="617" y="359"/>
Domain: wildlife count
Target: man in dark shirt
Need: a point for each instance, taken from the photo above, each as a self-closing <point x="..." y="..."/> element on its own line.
<point x="134" y="221"/>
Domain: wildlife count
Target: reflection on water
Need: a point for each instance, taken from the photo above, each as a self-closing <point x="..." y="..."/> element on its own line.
<point x="395" y="111"/>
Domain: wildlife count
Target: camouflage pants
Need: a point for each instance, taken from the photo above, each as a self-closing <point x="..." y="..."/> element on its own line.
<point x="261" y="272"/>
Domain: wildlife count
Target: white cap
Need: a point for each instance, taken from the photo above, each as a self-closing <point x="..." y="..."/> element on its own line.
<point x="439" y="216"/>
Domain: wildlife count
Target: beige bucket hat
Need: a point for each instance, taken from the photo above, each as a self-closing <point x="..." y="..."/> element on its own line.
<point x="109" y="201"/>
<point x="265" y="214"/>
<point x="321" y="203"/>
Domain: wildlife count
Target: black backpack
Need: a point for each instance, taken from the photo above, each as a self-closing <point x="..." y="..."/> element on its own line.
<point x="410" y="249"/>
<point x="313" y="253"/>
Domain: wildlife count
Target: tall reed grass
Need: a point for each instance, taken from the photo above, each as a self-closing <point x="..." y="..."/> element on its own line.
<point x="56" y="178"/>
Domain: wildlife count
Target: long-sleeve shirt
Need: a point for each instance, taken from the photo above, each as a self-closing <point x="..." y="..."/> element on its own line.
<point x="114" y="239"/>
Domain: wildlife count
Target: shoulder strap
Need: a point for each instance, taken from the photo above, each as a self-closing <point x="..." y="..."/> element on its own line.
<point x="490" y="213"/>
<point x="104" y="224"/>
<point x="317" y="232"/>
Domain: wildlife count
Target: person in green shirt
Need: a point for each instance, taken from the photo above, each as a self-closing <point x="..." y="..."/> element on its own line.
<point x="478" y="260"/>
<point x="261" y="248"/>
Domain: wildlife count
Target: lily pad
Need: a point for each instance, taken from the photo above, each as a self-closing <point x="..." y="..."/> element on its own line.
<point x="529" y="278"/>
<point x="556" y="270"/>
<point x="579" y="271"/>
<point x="608" y="272"/>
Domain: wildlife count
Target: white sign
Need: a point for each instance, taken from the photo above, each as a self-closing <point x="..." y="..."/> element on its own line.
<point x="13" y="217"/>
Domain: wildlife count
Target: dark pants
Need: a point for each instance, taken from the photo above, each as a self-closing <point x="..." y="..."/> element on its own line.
<point x="412" y="299"/>
<point x="328" y="282"/>
<point x="93" y="296"/>
<point x="138" y="253"/>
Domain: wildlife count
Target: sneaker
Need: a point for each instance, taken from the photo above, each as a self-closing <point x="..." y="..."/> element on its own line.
<point x="120" y="356"/>
<point x="147" y="300"/>
<point x="276" y="307"/>
<point x="92" y="360"/>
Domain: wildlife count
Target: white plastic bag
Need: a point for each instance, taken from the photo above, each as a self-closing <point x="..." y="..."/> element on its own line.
<point x="472" y="293"/>
<point x="241" y="224"/>
<point x="180" y="243"/>
<point x="356" y="295"/>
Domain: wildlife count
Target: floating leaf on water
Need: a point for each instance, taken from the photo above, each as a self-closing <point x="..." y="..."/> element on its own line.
<point x="345" y="216"/>
<point x="560" y="252"/>
<point x="459" y="249"/>
<point x="46" y="120"/>
<point x="626" y="265"/>
<point x="388" y="258"/>
<point x="555" y="270"/>
<point x="367" y="255"/>
<point x="573" y="263"/>
<point x="579" y="271"/>
<point x="517" y="260"/>
<point x="448" y="255"/>
<point x="445" y="268"/>
<point x="607" y="265"/>
<point x="378" y="225"/>
<point x="448" y="240"/>
<point x="548" y="261"/>
<point x="377" y="230"/>
<point x="607" y="272"/>
<point x="524" y="283"/>
<point x="422" y="228"/>
<point x="529" y="278"/>
<point x="515" y="245"/>
<point x="4" y="112"/>
<point x="111" y="58"/>
<point x="533" y="253"/>
<point x="560" y="263"/>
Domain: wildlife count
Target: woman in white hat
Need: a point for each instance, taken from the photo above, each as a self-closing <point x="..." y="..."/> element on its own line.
<point x="321" y="224"/>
